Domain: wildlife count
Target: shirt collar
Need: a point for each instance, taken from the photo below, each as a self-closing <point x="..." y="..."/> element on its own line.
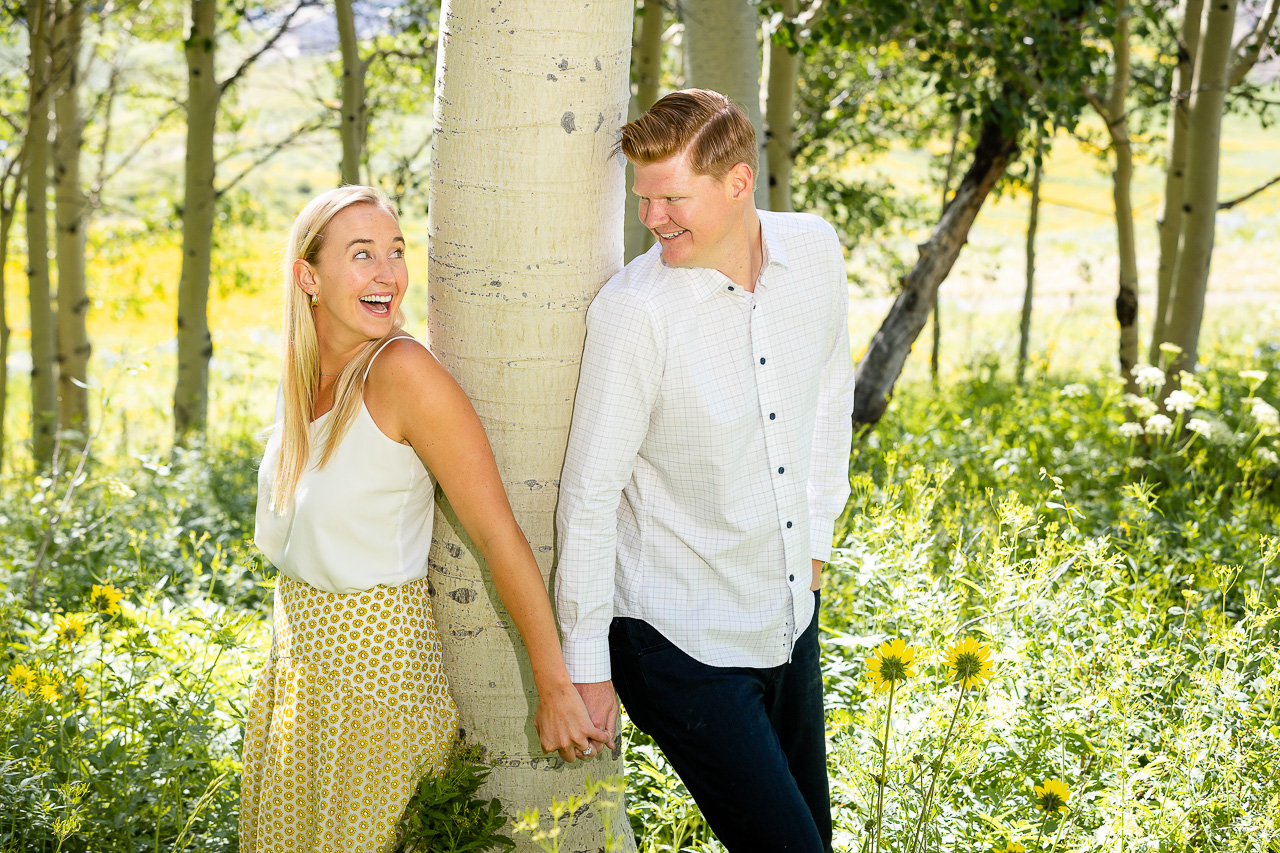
<point x="706" y="282"/>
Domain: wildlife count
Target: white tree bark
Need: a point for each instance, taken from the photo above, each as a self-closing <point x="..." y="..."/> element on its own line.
<point x="70" y="219"/>
<point x="195" y="346"/>
<point x="1169" y="220"/>
<point x="354" y="112"/>
<point x="44" y="391"/>
<point x="722" y="52"/>
<point x="646" y="64"/>
<point x="1201" y="200"/>
<point x="1033" y="222"/>
<point x="780" y="108"/>
<point x="525" y="226"/>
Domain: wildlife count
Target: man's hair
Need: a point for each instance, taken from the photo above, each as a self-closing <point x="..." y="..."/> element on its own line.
<point x="712" y="129"/>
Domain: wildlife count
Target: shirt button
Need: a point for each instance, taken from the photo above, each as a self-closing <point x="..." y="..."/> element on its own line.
<point x="731" y="287"/>
<point x="762" y="361"/>
<point x="788" y="524"/>
<point x="780" y="470"/>
<point x="772" y="416"/>
<point x="791" y="577"/>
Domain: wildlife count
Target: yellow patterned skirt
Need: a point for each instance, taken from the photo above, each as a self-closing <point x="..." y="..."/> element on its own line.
<point x="350" y="712"/>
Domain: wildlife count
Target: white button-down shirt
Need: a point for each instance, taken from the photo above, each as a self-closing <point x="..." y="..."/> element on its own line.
<point x="709" y="453"/>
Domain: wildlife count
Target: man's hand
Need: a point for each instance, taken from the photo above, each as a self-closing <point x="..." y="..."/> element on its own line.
<point x="602" y="706"/>
<point x="817" y="579"/>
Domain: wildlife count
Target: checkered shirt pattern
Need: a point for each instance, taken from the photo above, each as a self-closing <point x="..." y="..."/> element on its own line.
<point x="709" y="453"/>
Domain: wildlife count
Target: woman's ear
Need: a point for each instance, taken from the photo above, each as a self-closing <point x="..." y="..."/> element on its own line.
<point x="305" y="277"/>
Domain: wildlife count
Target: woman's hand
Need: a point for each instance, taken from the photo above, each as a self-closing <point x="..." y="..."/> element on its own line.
<point x="564" y="725"/>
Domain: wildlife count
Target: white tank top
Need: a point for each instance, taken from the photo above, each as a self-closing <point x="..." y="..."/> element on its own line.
<point x="361" y="521"/>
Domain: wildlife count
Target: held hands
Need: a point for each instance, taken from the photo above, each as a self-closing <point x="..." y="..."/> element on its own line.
<point x="565" y="726"/>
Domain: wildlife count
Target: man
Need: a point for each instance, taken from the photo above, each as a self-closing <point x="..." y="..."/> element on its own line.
<point x="707" y="464"/>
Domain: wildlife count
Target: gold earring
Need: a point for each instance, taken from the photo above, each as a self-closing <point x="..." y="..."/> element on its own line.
<point x="315" y="300"/>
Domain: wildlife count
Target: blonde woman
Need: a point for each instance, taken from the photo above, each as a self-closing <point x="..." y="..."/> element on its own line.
<point x="352" y="707"/>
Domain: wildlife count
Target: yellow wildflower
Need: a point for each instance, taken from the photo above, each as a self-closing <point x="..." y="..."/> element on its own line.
<point x="69" y="628"/>
<point x="1012" y="846"/>
<point x="970" y="663"/>
<point x="81" y="687"/>
<point x="105" y="599"/>
<point x="892" y="663"/>
<point x="1052" y="796"/>
<point x="22" y="678"/>
<point x="48" y="689"/>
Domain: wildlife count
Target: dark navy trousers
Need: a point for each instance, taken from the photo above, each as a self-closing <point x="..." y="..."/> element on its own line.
<point x="748" y="743"/>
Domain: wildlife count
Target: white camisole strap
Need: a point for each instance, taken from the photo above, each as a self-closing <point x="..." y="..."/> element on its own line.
<point x="384" y="346"/>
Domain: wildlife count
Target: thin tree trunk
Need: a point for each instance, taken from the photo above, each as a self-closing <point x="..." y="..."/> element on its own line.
<point x="195" y="346"/>
<point x="355" y="114"/>
<point x="780" y="107"/>
<point x="507" y="319"/>
<point x="70" y="209"/>
<point x="1169" y="220"/>
<point x="646" y="63"/>
<point x="722" y="52"/>
<point x="935" y="352"/>
<point x="880" y="366"/>
<point x="8" y="210"/>
<point x="44" y="391"/>
<point x="1201" y="199"/>
<point x="1033" y="222"/>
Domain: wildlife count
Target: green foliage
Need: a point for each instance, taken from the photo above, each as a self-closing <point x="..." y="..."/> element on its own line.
<point x="446" y="815"/>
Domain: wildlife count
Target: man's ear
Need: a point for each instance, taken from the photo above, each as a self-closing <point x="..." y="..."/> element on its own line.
<point x="742" y="182"/>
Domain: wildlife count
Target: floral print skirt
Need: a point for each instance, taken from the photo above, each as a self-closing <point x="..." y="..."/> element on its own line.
<point x="350" y="712"/>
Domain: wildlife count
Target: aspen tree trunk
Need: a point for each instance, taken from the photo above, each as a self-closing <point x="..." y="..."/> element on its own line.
<point x="935" y="352"/>
<point x="881" y="365"/>
<point x="646" y="63"/>
<point x="525" y="225"/>
<point x="355" y="114"/>
<point x="70" y="220"/>
<point x="44" y="392"/>
<point x="784" y="67"/>
<point x="1169" y="220"/>
<point x="8" y="210"/>
<point x="1201" y="198"/>
<point x="721" y="52"/>
<point x="195" y="346"/>
<point x="1033" y="221"/>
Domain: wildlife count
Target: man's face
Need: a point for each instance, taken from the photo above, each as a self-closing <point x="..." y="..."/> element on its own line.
<point x="691" y="215"/>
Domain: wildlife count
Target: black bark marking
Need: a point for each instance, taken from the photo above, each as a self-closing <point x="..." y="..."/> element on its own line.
<point x="464" y="595"/>
<point x="567" y="122"/>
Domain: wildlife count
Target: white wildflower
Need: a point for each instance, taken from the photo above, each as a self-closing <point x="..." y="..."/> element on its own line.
<point x="1075" y="389"/>
<point x="1159" y="425"/>
<point x="1254" y="377"/>
<point x="1148" y="377"/>
<point x="1180" y="402"/>
<point x="1137" y="462"/>
<point x="1170" y="350"/>
<point x="1141" y="406"/>
<point x="1189" y="384"/>
<point x="1129" y="429"/>
<point x="1263" y="412"/>
<point x="1202" y="428"/>
<point x="1267" y="455"/>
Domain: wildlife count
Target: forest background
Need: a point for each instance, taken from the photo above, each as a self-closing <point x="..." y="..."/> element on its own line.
<point x="1050" y="483"/>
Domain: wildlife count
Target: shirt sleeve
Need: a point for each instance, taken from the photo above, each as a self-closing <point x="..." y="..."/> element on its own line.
<point x="828" y="487"/>
<point x="617" y="388"/>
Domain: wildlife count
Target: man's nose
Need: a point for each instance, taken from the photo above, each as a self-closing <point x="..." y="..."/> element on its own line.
<point x="653" y="214"/>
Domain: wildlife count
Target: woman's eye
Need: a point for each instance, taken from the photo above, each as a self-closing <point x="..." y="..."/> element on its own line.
<point x="397" y="253"/>
<point x="362" y="254"/>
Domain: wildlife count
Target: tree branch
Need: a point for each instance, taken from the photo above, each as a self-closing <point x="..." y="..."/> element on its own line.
<point x="1227" y="205"/>
<point x="1250" y="47"/>
<point x="272" y="151"/>
<point x="104" y="177"/>
<point x="266" y="45"/>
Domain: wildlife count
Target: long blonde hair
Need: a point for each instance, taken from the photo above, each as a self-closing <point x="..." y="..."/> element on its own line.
<point x="300" y="377"/>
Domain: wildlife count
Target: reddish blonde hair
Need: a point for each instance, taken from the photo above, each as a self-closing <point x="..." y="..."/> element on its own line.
<point x="713" y="130"/>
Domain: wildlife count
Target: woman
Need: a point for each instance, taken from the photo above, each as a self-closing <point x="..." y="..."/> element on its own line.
<point x="352" y="707"/>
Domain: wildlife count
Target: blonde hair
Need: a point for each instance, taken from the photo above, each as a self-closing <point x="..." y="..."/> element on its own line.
<point x="300" y="377"/>
<point x="713" y="129"/>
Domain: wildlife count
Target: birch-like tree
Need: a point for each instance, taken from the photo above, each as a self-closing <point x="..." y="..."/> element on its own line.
<point x="353" y="113"/>
<point x="199" y="204"/>
<point x="525" y="225"/>
<point x="44" y="391"/>
<point x="12" y="143"/>
<point x="722" y="52"/>
<point x="646" y="72"/>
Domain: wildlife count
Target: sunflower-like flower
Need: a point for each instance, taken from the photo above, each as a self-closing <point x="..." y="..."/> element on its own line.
<point x="1052" y="796"/>
<point x="105" y="599"/>
<point x="69" y="628"/>
<point x="50" y="682"/>
<point x="892" y="663"/>
<point x="969" y="662"/>
<point x="80" y="687"/>
<point x="22" y="678"/>
<point x="1012" y="846"/>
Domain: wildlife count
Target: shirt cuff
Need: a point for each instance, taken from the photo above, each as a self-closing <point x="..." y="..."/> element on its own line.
<point x="821" y="532"/>
<point x="587" y="660"/>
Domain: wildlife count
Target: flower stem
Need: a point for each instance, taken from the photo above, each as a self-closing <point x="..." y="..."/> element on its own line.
<point x="884" y="758"/>
<point x="918" y="831"/>
<point x="1042" y="825"/>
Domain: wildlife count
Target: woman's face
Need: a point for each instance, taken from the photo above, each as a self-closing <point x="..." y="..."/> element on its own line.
<point x="359" y="277"/>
